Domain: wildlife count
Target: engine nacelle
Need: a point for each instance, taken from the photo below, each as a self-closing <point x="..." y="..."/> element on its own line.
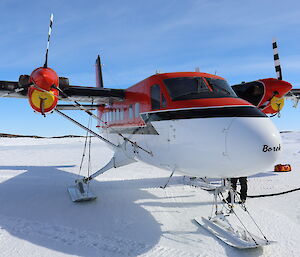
<point x="43" y="95"/>
<point x="266" y="94"/>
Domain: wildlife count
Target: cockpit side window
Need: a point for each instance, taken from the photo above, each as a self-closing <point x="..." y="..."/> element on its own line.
<point x="155" y="97"/>
<point x="163" y="101"/>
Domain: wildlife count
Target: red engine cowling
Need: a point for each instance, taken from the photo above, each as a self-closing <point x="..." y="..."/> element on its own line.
<point x="273" y="100"/>
<point x="43" y="97"/>
<point x="266" y="94"/>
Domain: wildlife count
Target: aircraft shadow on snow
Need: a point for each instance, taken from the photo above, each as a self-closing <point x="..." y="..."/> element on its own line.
<point x="36" y="207"/>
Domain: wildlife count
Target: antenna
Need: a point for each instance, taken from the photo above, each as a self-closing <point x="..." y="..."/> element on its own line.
<point x="48" y="43"/>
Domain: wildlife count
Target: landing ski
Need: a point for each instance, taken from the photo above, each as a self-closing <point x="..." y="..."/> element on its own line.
<point x="81" y="192"/>
<point x="238" y="238"/>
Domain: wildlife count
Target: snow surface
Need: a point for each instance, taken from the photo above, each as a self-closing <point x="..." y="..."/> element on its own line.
<point x="132" y="215"/>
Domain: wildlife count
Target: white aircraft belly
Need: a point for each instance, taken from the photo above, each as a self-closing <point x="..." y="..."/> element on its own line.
<point x="193" y="146"/>
<point x="212" y="147"/>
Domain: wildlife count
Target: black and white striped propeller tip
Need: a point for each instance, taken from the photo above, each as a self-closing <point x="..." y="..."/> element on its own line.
<point x="276" y="60"/>
<point x="48" y="41"/>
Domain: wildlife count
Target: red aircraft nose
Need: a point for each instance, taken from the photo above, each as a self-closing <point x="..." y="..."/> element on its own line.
<point x="44" y="78"/>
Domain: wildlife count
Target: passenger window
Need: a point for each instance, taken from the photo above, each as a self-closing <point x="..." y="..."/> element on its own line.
<point x="137" y="110"/>
<point x="130" y="112"/>
<point x="122" y="114"/>
<point x="155" y="97"/>
<point x="118" y="114"/>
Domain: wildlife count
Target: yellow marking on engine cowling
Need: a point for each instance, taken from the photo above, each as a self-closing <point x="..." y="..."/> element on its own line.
<point x="47" y="97"/>
<point x="277" y="103"/>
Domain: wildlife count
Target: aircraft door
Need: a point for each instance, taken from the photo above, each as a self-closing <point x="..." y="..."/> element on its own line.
<point x="159" y="140"/>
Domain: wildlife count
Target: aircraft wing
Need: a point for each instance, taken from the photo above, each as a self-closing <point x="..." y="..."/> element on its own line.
<point x="293" y="93"/>
<point x="94" y="94"/>
<point x="78" y="93"/>
<point x="12" y="89"/>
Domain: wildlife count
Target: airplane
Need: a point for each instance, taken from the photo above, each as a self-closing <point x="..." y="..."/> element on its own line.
<point x="191" y="123"/>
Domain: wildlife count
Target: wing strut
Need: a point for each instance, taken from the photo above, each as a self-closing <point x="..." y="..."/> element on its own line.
<point x="85" y="128"/>
<point x="81" y="107"/>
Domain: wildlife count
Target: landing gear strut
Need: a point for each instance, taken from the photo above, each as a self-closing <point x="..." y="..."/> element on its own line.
<point x="82" y="192"/>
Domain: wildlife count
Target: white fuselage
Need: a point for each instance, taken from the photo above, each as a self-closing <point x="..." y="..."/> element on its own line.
<point x="212" y="147"/>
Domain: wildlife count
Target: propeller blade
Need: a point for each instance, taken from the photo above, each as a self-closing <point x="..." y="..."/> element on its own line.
<point x="276" y="60"/>
<point x="48" y="43"/>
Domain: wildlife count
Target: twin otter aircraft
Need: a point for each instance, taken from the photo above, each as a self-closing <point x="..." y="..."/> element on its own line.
<point x="192" y="123"/>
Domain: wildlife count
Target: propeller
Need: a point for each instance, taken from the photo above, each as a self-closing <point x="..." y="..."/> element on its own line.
<point x="48" y="42"/>
<point x="275" y="102"/>
<point x="42" y="96"/>
<point x="276" y="60"/>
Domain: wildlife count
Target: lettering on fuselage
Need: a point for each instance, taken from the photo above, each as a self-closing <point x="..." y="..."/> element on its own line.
<point x="267" y="148"/>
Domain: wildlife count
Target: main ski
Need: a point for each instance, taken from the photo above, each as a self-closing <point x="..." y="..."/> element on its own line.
<point x="238" y="238"/>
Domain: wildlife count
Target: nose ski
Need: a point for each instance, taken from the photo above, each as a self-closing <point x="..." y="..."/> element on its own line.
<point x="238" y="237"/>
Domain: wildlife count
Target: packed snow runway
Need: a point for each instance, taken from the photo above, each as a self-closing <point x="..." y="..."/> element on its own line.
<point x="132" y="215"/>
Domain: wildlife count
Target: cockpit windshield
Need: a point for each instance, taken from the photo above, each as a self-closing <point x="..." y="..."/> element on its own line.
<point x="186" y="88"/>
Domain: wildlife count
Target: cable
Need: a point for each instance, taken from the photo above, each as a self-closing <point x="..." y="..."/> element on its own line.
<point x="90" y="144"/>
<point x="246" y="210"/>
<point x="84" y="148"/>
<point x="274" y="194"/>
<point x="83" y="154"/>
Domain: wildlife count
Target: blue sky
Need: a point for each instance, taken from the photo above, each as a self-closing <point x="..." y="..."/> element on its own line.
<point x="136" y="38"/>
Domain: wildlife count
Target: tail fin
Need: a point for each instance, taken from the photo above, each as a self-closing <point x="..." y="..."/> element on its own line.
<point x="99" y="80"/>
